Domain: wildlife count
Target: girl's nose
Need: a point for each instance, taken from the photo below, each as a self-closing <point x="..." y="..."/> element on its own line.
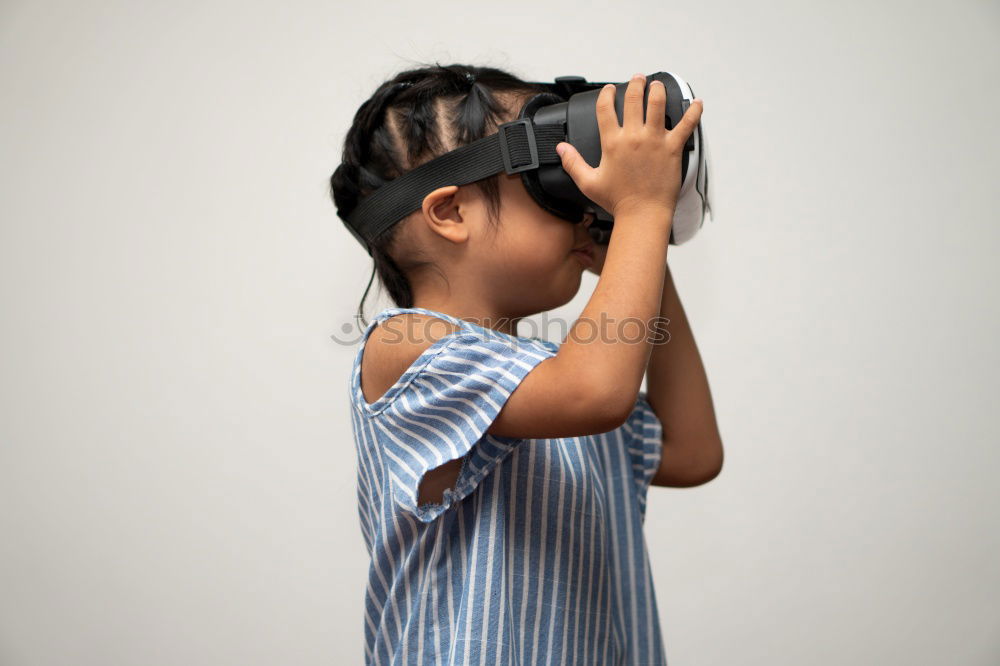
<point x="588" y="218"/>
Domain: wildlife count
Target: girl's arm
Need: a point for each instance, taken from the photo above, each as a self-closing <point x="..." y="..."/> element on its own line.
<point x="590" y="386"/>
<point x="678" y="391"/>
<point x="593" y="382"/>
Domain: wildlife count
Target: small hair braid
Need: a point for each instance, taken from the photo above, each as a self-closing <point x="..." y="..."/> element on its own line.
<point x="410" y="119"/>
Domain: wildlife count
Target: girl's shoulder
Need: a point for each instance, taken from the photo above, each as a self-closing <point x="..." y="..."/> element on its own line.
<point x="392" y="345"/>
<point x="401" y="343"/>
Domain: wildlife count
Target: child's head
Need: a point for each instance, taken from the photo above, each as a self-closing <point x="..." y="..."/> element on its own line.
<point x="485" y="242"/>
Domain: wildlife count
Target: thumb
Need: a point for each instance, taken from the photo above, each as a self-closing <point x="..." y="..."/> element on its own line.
<point x="573" y="162"/>
<point x="689" y="121"/>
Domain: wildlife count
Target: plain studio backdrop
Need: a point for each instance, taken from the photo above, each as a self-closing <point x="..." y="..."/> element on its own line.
<point x="177" y="471"/>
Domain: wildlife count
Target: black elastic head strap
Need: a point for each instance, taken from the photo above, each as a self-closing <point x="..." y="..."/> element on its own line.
<point x="517" y="146"/>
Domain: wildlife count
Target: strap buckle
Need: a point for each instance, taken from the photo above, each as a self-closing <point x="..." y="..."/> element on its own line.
<point x="503" y="130"/>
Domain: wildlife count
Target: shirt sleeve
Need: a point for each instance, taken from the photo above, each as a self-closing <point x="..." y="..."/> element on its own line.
<point x="645" y="446"/>
<point x="444" y="411"/>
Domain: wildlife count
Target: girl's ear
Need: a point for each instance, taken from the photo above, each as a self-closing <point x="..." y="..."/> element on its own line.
<point x="442" y="214"/>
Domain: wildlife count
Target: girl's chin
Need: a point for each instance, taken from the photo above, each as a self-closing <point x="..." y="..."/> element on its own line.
<point x="547" y="293"/>
<point x="574" y="288"/>
<point x="559" y="279"/>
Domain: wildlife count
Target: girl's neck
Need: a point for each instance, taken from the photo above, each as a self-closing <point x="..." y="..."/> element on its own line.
<point x="479" y="314"/>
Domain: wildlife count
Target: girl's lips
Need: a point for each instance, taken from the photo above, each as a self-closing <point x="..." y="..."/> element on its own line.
<point x="585" y="257"/>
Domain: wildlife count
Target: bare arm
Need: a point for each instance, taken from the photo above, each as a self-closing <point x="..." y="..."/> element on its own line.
<point x="592" y="383"/>
<point x="678" y="391"/>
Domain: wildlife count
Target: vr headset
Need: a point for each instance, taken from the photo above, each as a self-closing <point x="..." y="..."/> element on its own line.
<point x="565" y="112"/>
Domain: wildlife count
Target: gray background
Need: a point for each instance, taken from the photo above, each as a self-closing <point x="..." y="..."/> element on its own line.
<point x="176" y="464"/>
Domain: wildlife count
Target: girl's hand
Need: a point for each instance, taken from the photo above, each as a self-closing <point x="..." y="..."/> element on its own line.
<point x="640" y="160"/>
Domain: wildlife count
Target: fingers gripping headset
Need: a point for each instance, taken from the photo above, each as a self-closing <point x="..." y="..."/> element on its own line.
<point x="565" y="112"/>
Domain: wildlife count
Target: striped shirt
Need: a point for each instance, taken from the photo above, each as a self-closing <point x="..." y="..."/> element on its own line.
<point x="536" y="554"/>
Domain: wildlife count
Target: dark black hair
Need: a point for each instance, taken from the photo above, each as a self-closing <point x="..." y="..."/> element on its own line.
<point x="412" y="118"/>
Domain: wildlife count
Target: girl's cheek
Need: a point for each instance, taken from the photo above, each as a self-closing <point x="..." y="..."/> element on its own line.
<point x="535" y="249"/>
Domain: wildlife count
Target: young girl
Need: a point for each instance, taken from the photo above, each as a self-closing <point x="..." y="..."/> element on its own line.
<point x="502" y="479"/>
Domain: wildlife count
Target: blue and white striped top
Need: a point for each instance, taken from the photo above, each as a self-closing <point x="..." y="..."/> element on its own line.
<point x="536" y="555"/>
